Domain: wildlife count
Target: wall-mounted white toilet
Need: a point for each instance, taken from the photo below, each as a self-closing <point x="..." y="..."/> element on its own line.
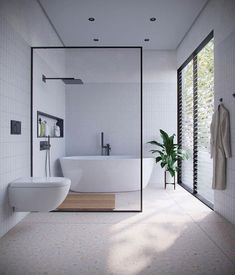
<point x="38" y="194"/>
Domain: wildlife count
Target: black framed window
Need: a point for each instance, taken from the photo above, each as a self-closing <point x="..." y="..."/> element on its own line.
<point x="195" y="109"/>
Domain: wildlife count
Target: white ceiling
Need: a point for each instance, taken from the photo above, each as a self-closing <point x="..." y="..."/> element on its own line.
<point x="123" y="22"/>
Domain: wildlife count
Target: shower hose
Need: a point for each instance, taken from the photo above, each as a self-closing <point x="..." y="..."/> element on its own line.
<point x="48" y="159"/>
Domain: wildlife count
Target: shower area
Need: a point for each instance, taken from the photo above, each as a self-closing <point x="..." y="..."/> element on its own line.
<point x="86" y="105"/>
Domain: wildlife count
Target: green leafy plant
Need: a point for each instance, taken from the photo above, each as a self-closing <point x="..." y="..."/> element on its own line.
<point x="168" y="153"/>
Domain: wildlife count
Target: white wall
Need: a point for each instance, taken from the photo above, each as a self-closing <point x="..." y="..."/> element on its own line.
<point x="112" y="108"/>
<point x="159" y="101"/>
<point x="219" y="16"/>
<point x="48" y="98"/>
<point x="109" y="101"/>
<point x="19" y="29"/>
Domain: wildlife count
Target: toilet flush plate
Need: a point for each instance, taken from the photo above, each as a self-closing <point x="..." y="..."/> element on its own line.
<point x="15" y="127"/>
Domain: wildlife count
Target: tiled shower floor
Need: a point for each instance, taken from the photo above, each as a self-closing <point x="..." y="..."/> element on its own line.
<point x="176" y="234"/>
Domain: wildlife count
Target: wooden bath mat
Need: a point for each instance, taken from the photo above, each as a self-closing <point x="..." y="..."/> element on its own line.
<point x="88" y="201"/>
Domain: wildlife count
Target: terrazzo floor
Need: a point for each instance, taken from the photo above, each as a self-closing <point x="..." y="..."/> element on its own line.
<point x="175" y="234"/>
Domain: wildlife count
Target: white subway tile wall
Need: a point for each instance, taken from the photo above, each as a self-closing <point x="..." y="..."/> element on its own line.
<point x="19" y="30"/>
<point x="49" y="98"/>
<point x="159" y="102"/>
<point x="112" y="108"/>
<point x="225" y="87"/>
<point x="108" y="102"/>
<point x="14" y="105"/>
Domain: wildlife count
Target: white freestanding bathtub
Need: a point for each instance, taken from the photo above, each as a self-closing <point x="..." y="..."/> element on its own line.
<point x="106" y="173"/>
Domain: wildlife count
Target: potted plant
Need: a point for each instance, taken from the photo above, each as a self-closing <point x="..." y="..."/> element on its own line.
<point x="168" y="155"/>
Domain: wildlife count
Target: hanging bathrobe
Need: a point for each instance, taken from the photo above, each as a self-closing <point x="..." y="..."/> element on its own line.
<point x="220" y="146"/>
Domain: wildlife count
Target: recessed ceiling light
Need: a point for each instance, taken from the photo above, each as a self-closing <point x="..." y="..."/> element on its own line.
<point x="91" y="19"/>
<point x="152" y="19"/>
<point x="96" y="39"/>
<point x="146" y="39"/>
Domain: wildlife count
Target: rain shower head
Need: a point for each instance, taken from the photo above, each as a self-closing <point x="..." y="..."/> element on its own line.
<point x="66" y="80"/>
<point x="72" y="81"/>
